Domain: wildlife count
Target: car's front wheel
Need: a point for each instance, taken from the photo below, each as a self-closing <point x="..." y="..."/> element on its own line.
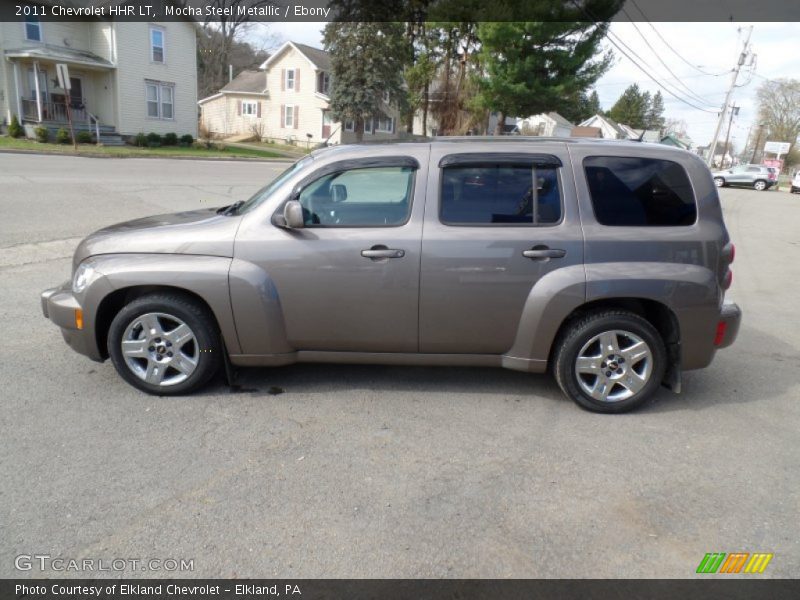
<point x="760" y="185"/>
<point x="719" y="181"/>
<point x="165" y="344"/>
<point x="610" y="361"/>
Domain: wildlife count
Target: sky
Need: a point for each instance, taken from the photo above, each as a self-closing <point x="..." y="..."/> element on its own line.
<point x="701" y="55"/>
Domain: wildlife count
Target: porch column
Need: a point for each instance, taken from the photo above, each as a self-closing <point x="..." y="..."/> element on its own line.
<point x="17" y="90"/>
<point x="38" y="93"/>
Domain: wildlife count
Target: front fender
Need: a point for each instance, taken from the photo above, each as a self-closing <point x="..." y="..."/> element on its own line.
<point x="203" y="276"/>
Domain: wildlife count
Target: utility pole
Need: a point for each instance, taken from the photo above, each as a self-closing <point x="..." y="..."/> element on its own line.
<point x="758" y="143"/>
<point x="742" y="58"/>
<point x="725" y="150"/>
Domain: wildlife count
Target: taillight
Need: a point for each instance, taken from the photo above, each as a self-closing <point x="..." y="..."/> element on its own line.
<point x="726" y="283"/>
<point x="722" y="326"/>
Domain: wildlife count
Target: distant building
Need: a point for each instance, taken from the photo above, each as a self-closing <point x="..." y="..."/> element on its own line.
<point x="549" y="124"/>
<point x="586" y="132"/>
<point x="609" y="128"/>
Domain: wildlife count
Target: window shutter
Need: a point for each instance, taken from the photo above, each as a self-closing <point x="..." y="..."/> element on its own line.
<point x="283" y="80"/>
<point x="283" y="116"/>
<point x="258" y="109"/>
<point x="297" y="80"/>
<point x="296" y="115"/>
<point x="239" y="108"/>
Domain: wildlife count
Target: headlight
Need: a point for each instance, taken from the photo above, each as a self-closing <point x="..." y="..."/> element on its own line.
<point x="83" y="275"/>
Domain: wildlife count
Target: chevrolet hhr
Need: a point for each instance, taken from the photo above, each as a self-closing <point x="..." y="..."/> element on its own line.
<point x="603" y="262"/>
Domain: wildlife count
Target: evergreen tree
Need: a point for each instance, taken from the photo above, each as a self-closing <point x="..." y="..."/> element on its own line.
<point x="531" y="67"/>
<point x="367" y="60"/>
<point x="655" y="113"/>
<point x="632" y="108"/>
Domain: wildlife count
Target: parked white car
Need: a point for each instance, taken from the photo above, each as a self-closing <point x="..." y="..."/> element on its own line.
<point x="796" y="182"/>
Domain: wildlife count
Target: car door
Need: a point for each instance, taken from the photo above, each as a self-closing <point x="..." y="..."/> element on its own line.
<point x="490" y="235"/>
<point x="349" y="279"/>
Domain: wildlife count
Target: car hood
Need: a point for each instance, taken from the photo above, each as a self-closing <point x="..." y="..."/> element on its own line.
<point x="195" y="232"/>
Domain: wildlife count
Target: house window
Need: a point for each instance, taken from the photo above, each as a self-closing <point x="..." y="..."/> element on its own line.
<point x="249" y="108"/>
<point x="289" y="79"/>
<point x="349" y="126"/>
<point x="384" y="124"/>
<point x="324" y="83"/>
<point x="33" y="28"/>
<point x="160" y="100"/>
<point x="288" y="116"/>
<point x="368" y="125"/>
<point x="386" y="97"/>
<point x="156" y="45"/>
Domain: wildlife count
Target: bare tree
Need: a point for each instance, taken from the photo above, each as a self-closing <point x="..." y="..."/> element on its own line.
<point x="779" y="109"/>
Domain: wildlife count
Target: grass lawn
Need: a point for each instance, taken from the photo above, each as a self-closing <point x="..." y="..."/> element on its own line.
<point x="9" y="143"/>
<point x="300" y="149"/>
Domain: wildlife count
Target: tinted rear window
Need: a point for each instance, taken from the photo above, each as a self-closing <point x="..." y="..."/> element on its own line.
<point x="499" y="195"/>
<point x="627" y="191"/>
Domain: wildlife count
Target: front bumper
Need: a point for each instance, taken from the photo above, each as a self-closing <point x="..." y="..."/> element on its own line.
<point x="729" y="319"/>
<point x="60" y="306"/>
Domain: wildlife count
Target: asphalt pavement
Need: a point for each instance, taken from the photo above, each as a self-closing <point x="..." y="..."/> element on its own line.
<point x="372" y="471"/>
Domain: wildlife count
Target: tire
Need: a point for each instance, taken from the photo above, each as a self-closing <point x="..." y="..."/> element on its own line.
<point x="795" y="190"/>
<point x="760" y="185"/>
<point x="719" y="181"/>
<point x="171" y="344"/>
<point x="620" y="384"/>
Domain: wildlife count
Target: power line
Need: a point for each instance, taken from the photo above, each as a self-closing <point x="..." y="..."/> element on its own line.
<point x="658" y="33"/>
<point x="691" y="93"/>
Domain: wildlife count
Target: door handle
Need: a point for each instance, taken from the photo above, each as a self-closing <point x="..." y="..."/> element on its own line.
<point x="544" y="252"/>
<point x="378" y="252"/>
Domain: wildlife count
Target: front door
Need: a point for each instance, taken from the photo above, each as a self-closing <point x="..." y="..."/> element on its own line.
<point x="348" y="280"/>
<point x="496" y="223"/>
<point x="326" y="124"/>
<point x="76" y="92"/>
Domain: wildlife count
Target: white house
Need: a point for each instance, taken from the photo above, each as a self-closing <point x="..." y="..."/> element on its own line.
<point x="549" y="124"/>
<point x="288" y="100"/>
<point x="126" y="77"/>
<point x="609" y="129"/>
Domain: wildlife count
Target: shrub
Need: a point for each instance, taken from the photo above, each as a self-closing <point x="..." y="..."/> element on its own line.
<point x="42" y="135"/>
<point x="140" y="140"/>
<point x="62" y="136"/>
<point x="187" y="140"/>
<point x="170" y="139"/>
<point x="84" y="137"/>
<point x="153" y="140"/>
<point x="15" y="130"/>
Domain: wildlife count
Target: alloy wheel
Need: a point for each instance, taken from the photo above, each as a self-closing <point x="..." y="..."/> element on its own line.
<point x="614" y="365"/>
<point x="160" y="349"/>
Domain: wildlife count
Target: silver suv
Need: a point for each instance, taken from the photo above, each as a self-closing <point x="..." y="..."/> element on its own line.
<point x="605" y="263"/>
<point x="757" y="177"/>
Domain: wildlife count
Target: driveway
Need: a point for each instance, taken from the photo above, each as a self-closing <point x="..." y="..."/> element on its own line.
<point x="371" y="471"/>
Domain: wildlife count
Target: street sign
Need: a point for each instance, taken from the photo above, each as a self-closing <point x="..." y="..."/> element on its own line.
<point x="777" y="147"/>
<point x="63" y="77"/>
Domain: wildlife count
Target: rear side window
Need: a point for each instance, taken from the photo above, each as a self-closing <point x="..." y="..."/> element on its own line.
<point x="499" y="195"/>
<point x="639" y="191"/>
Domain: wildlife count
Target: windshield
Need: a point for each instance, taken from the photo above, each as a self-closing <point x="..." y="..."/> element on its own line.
<point x="267" y="190"/>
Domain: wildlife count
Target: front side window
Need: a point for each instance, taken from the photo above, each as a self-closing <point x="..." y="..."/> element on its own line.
<point x="33" y="28"/>
<point x="157" y="45"/>
<point x="499" y="195"/>
<point x="628" y="191"/>
<point x="368" y="197"/>
<point x="249" y="108"/>
<point x="160" y="98"/>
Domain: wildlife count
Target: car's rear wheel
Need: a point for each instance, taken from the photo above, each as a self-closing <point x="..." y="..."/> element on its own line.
<point x="610" y="361"/>
<point x="760" y="185"/>
<point x="719" y="181"/>
<point x="165" y="344"/>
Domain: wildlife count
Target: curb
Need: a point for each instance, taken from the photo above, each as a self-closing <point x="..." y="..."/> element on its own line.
<point x="109" y="156"/>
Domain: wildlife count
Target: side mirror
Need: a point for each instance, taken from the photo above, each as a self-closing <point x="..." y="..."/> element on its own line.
<point x="293" y="215"/>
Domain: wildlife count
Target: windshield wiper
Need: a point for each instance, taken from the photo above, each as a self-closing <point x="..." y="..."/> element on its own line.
<point x="230" y="209"/>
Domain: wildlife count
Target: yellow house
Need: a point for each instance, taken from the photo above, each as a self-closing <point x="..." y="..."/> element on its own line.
<point x="287" y="100"/>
